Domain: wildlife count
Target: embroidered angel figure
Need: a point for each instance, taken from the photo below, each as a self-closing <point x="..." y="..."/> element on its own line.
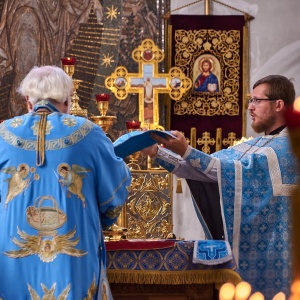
<point x="72" y="179"/>
<point x="49" y="294"/>
<point x="18" y="182"/>
<point x="46" y="249"/>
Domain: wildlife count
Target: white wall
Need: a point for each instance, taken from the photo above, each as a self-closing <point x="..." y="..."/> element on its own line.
<point x="274" y="49"/>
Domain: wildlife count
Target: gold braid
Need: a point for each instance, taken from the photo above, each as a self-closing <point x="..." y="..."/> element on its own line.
<point x="40" y="139"/>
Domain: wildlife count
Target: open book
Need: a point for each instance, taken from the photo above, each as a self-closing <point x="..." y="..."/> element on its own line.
<point x="135" y="141"/>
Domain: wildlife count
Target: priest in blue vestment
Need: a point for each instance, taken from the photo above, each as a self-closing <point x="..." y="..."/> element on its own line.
<point x="242" y="194"/>
<point x="61" y="185"/>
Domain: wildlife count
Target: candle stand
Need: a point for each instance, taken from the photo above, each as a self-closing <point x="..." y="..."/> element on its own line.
<point x="104" y="121"/>
<point x="134" y="157"/>
<point x="69" y="67"/>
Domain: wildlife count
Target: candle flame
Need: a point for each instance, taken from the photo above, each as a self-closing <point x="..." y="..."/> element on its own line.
<point x="242" y="291"/>
<point x="297" y="104"/>
<point x="279" y="296"/>
<point x="227" y="291"/>
<point x="295" y="289"/>
<point x="257" y="296"/>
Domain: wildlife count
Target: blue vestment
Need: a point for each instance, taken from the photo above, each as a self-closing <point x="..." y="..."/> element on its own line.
<point x="255" y="181"/>
<point x="52" y="214"/>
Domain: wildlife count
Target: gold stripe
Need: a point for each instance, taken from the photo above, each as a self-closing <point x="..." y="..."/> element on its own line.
<point x="219" y="139"/>
<point x="193" y="137"/>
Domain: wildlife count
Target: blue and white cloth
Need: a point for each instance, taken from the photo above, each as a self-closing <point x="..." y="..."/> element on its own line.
<point x="211" y="252"/>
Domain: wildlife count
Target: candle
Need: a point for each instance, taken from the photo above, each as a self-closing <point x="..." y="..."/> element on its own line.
<point x="102" y="97"/>
<point x="297" y="104"/>
<point x="68" y="61"/>
<point x="242" y="291"/>
<point x="227" y="291"/>
<point x="279" y="296"/>
<point x="133" y="124"/>
<point x="257" y="296"/>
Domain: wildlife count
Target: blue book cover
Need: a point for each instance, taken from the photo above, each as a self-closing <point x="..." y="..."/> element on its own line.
<point x="135" y="141"/>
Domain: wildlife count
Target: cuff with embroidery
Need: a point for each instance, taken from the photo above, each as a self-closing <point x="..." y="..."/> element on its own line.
<point x="187" y="152"/>
<point x="168" y="159"/>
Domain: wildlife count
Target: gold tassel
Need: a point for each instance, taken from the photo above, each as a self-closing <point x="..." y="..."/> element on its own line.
<point x="179" y="186"/>
<point x="40" y="140"/>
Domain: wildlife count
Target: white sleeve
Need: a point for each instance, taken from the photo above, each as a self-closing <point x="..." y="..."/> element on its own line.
<point x="182" y="168"/>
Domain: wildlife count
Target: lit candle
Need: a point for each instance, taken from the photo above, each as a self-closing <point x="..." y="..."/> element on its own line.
<point x="68" y="61"/>
<point x="227" y="291"/>
<point x="242" y="291"/>
<point x="279" y="296"/>
<point x="257" y="296"/>
<point x="133" y="124"/>
<point x="102" y="97"/>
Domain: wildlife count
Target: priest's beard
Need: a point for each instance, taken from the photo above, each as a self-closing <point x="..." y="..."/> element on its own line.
<point x="264" y="125"/>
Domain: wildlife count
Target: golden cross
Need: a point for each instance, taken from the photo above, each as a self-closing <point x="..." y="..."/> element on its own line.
<point x="148" y="83"/>
<point x="230" y="140"/>
<point x="206" y="141"/>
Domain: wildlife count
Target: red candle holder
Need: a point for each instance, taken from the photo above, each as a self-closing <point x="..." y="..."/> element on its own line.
<point x="133" y="125"/>
<point x="69" y="65"/>
<point x="102" y="103"/>
<point x="68" y="61"/>
<point x="102" y="97"/>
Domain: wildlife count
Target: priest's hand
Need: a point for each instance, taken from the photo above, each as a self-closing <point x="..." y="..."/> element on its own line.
<point x="177" y="145"/>
<point x="151" y="150"/>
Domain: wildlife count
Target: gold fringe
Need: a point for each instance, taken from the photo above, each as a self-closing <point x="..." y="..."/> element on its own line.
<point x="217" y="277"/>
<point x="40" y="140"/>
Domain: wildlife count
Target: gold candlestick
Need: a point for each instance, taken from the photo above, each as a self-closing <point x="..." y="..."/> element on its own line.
<point x="76" y="110"/>
<point x="104" y="121"/>
<point x="131" y="126"/>
<point x="69" y="67"/>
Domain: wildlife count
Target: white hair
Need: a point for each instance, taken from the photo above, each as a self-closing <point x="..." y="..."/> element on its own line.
<point x="47" y="82"/>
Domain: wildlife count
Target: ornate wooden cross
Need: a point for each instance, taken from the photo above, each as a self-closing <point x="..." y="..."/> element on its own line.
<point x="148" y="83"/>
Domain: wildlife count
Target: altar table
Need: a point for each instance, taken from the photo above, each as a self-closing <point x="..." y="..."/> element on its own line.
<point x="148" y="270"/>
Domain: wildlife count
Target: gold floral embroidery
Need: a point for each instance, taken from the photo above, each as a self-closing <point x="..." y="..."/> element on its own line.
<point x="69" y="122"/>
<point x="16" y="122"/>
<point x="36" y="126"/>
